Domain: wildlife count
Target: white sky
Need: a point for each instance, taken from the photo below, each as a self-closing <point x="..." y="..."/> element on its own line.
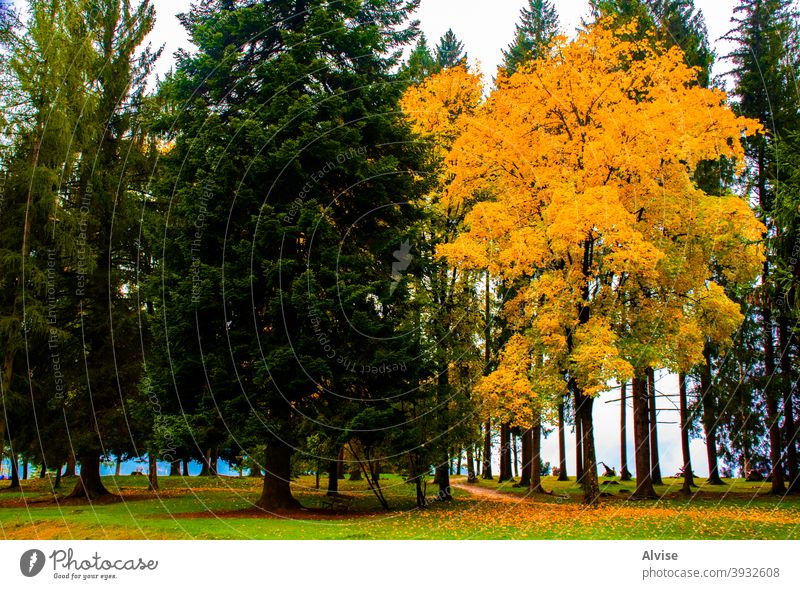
<point x="486" y="28"/>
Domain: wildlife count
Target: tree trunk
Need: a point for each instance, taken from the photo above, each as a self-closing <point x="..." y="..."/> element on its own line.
<point x="89" y="485"/>
<point x="652" y="398"/>
<point x="205" y="469"/>
<point x="58" y="477"/>
<point x="536" y="457"/>
<point x="24" y="469"/>
<point x="624" y="473"/>
<point x="769" y="344"/>
<point x="710" y="420"/>
<point x="118" y="467"/>
<point x="487" y="451"/>
<point x="641" y="441"/>
<point x="527" y="457"/>
<point x="69" y="471"/>
<point x="515" y="456"/>
<point x="458" y="462"/>
<point x="562" y="444"/>
<point x="14" y="471"/>
<point x="277" y="493"/>
<point x="591" y="487"/>
<point x="505" y="453"/>
<point x="42" y="471"/>
<point x="443" y="476"/>
<point x="213" y="467"/>
<point x="688" y="476"/>
<point x="333" y="477"/>
<point x="175" y="468"/>
<point x="787" y="383"/>
<point x="578" y="448"/>
<point x="186" y="467"/>
<point x="470" y="464"/>
<point x="152" y="471"/>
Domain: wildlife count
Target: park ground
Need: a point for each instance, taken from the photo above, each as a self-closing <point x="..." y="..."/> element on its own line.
<point x="222" y="508"/>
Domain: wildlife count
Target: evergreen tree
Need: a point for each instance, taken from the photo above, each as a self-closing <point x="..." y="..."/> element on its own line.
<point x="47" y="62"/>
<point x="765" y="59"/>
<point x="421" y="62"/>
<point x="450" y="51"/>
<point x="535" y="32"/>
<point x="284" y="183"/>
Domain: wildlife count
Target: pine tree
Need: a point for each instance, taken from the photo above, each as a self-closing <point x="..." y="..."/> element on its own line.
<point x="535" y="32"/>
<point x="765" y="62"/>
<point x="286" y="174"/>
<point x="108" y="193"/>
<point x="421" y="63"/>
<point x="450" y="51"/>
<point x="46" y="62"/>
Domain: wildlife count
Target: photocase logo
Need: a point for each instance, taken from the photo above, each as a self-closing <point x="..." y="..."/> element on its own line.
<point x="403" y="258"/>
<point x="31" y="562"/>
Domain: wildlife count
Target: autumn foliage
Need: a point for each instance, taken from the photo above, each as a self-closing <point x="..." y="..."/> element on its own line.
<point x="578" y="171"/>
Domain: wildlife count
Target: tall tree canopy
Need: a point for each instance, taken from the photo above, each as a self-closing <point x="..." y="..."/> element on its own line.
<point x="534" y="34"/>
<point x="293" y="191"/>
<point x="450" y="51"/>
<point x="594" y="214"/>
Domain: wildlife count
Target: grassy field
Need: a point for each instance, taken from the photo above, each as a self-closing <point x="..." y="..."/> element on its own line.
<point x="221" y="508"/>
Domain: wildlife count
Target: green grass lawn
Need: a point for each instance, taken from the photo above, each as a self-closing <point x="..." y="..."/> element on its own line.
<point x="221" y="508"/>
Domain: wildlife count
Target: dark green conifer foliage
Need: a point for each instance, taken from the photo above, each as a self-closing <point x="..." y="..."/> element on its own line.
<point x="534" y="33"/>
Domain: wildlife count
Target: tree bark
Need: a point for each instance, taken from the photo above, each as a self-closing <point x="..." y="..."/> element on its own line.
<point x="89" y="484"/>
<point x="487" y="451"/>
<point x="578" y="448"/>
<point x="42" y="471"/>
<point x="213" y="467"/>
<point x="24" y="469"/>
<point x="333" y="478"/>
<point x="536" y="458"/>
<point x="624" y="473"/>
<point x="152" y="471"/>
<point x="641" y="441"/>
<point x="277" y="493"/>
<point x="710" y="420"/>
<point x="186" y="467"/>
<point x="769" y="342"/>
<point x="787" y="384"/>
<point x="505" y="453"/>
<point x="443" y="476"/>
<point x="652" y="401"/>
<point x="562" y="444"/>
<point x="591" y="487"/>
<point x="69" y="471"/>
<point x="205" y="469"/>
<point x="118" y="466"/>
<point x="470" y="464"/>
<point x="688" y="476"/>
<point x="175" y="468"/>
<point x="527" y="457"/>
<point x="14" y="471"/>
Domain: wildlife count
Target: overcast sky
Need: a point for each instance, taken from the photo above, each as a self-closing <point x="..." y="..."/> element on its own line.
<point x="486" y="28"/>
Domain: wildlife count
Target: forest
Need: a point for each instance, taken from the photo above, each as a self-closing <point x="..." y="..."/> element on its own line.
<point x="324" y="245"/>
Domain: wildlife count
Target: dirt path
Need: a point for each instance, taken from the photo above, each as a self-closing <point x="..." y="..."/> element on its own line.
<point x="490" y="494"/>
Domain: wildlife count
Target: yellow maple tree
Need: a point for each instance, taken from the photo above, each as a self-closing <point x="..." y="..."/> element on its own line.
<point x="577" y="172"/>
